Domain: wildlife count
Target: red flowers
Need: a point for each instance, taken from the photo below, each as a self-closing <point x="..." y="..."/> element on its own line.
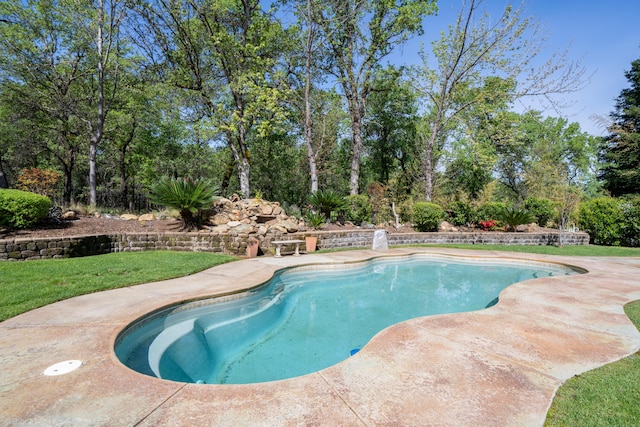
<point x="488" y="225"/>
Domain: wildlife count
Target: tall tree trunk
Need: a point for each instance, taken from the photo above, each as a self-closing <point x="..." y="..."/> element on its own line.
<point x="354" y="179"/>
<point x="308" y="123"/>
<point x="428" y="169"/>
<point x="243" y="174"/>
<point x="68" y="182"/>
<point x="428" y="161"/>
<point x="96" y="135"/>
<point x="308" y="137"/>
<point x="241" y="157"/>
<point x="93" y="149"/>
<point x="356" y="110"/>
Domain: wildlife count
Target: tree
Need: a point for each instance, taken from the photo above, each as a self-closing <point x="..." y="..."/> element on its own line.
<point x="390" y="125"/>
<point x="479" y="61"/>
<point x="620" y="150"/>
<point x="540" y="157"/>
<point x="358" y="35"/>
<point x="328" y="125"/>
<point x="308" y="123"/>
<point x="42" y="64"/>
<point x="305" y="12"/>
<point x="106" y="24"/>
<point x="229" y="56"/>
<point x="471" y="169"/>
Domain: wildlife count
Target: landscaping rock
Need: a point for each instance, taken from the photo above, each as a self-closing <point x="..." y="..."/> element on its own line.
<point x="446" y="227"/>
<point x="244" y="228"/>
<point x="528" y="228"/>
<point x="290" y="226"/>
<point x="221" y="229"/>
<point x="69" y="216"/>
<point x="147" y="217"/>
<point x="219" y="219"/>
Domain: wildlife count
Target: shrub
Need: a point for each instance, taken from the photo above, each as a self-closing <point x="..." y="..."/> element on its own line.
<point x="380" y="205"/>
<point x="461" y="213"/>
<point x="602" y="218"/>
<point x="293" y="210"/>
<point x="21" y="209"/>
<point x="512" y="217"/>
<point x="326" y="201"/>
<point x="315" y="219"/>
<point x="405" y="210"/>
<point x="488" y="225"/>
<point x="39" y="181"/>
<point x="187" y="195"/>
<point x="542" y="209"/>
<point x="357" y="208"/>
<point x="427" y="216"/>
<point x="630" y="235"/>
<point x="490" y="211"/>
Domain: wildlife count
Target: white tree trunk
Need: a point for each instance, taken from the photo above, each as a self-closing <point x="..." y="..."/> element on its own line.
<point x="308" y="123"/>
<point x="356" y="126"/>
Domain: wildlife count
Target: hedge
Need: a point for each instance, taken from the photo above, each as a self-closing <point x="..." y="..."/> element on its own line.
<point x="427" y="216"/>
<point x="21" y="209"/>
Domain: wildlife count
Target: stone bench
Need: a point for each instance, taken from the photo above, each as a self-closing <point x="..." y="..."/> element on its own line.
<point x="280" y="243"/>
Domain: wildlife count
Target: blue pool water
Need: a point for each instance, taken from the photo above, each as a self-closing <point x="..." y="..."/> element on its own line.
<point x="309" y="318"/>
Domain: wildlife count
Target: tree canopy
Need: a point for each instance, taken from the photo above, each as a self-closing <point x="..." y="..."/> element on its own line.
<point x="288" y="99"/>
<point x="620" y="150"/>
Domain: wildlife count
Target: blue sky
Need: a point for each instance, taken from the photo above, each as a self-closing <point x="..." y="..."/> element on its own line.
<point x="604" y="34"/>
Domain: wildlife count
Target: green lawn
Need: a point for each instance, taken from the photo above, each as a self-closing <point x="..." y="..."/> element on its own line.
<point x="607" y="396"/>
<point x="26" y="285"/>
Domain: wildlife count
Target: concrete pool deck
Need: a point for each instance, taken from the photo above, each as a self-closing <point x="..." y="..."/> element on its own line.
<point x="499" y="366"/>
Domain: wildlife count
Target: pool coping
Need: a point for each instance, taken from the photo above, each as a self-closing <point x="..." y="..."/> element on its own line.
<point x="498" y="366"/>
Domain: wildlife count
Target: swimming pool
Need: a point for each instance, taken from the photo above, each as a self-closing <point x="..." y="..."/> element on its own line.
<point x="308" y="318"/>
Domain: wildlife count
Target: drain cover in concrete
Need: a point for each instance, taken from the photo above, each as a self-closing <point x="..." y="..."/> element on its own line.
<point x="62" y="368"/>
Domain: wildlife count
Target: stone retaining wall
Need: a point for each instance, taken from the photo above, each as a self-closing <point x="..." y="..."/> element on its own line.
<point x="364" y="238"/>
<point x="236" y="244"/>
<point x="490" y="238"/>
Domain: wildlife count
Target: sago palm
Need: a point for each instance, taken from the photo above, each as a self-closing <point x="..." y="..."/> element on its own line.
<point x="513" y="217"/>
<point x="188" y="196"/>
<point x="326" y="201"/>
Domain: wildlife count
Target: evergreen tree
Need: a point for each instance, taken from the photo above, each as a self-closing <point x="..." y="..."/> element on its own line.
<point x="620" y="151"/>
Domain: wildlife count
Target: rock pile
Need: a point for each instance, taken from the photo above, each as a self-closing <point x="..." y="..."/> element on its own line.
<point x="243" y="218"/>
<point x="251" y="216"/>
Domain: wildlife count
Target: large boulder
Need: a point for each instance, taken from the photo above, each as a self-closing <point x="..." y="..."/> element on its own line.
<point x="243" y="228"/>
<point x="219" y="219"/>
<point x="289" y="225"/>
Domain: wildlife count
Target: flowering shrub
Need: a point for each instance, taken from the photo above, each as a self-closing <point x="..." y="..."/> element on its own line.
<point x="488" y="225"/>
